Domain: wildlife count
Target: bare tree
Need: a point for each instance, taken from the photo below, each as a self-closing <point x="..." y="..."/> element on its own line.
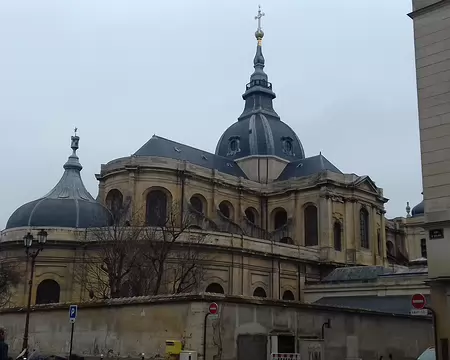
<point x="9" y="279"/>
<point x="109" y="255"/>
<point x="171" y="256"/>
<point x="130" y="259"/>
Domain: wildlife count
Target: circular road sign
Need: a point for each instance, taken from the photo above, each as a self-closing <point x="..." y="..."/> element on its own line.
<point x="418" y="301"/>
<point x="213" y="308"/>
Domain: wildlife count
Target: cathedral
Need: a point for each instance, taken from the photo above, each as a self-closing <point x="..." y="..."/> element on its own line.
<point x="273" y="218"/>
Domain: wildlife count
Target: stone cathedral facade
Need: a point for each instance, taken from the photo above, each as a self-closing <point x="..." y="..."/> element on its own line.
<point x="274" y="218"/>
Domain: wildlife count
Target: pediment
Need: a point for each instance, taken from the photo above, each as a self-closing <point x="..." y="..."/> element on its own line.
<point x="365" y="183"/>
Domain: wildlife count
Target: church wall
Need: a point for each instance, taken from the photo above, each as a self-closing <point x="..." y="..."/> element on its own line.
<point x="414" y="233"/>
<point x="126" y="328"/>
<point x="333" y="202"/>
<point x="239" y="264"/>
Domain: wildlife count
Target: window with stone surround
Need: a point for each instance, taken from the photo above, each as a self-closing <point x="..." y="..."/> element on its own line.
<point x="156" y="214"/>
<point x="337" y="234"/>
<point x="423" y="248"/>
<point x="311" y="226"/>
<point x="114" y="202"/>
<point x="260" y="292"/>
<point x="48" y="292"/>
<point x="215" y="288"/>
<point x="364" y="228"/>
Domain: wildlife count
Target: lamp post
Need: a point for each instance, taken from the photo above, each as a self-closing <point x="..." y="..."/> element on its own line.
<point x="31" y="253"/>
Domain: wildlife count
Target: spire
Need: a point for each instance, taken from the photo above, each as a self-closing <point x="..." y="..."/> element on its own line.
<point x="259" y="95"/>
<point x="258" y="61"/>
<point x="73" y="160"/>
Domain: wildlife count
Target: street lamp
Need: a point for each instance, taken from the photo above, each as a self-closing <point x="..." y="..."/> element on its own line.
<point x="31" y="253"/>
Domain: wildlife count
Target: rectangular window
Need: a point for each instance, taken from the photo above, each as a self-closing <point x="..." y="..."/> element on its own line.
<point x="423" y="247"/>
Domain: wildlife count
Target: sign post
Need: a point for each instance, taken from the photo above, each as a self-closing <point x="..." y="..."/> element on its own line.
<point x="213" y="309"/>
<point x="73" y="312"/>
<point x="418" y="302"/>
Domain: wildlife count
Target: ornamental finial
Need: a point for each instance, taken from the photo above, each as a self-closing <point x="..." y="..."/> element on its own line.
<point x="259" y="33"/>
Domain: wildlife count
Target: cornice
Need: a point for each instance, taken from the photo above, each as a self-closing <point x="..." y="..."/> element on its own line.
<point x="428" y="8"/>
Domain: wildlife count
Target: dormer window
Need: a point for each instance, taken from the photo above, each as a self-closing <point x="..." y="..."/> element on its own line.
<point x="287" y="145"/>
<point x="233" y="145"/>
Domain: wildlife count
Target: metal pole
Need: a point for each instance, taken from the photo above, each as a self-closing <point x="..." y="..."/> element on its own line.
<point x="436" y="343"/>
<point x="204" y="336"/>
<point x="71" y="341"/>
<point x="27" y="318"/>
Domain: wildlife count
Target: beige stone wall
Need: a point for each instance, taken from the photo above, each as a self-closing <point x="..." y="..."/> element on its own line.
<point x="239" y="264"/>
<point x="128" y="328"/>
<point x="414" y="235"/>
<point x="432" y="47"/>
<point x="340" y="201"/>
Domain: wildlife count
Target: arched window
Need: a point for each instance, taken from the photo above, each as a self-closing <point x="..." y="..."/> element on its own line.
<point x="114" y="202"/>
<point x="287" y="240"/>
<point x="156" y="208"/>
<point x="259" y="292"/>
<point x="251" y="214"/>
<point x="390" y="248"/>
<point x="197" y="204"/>
<point x="226" y="209"/>
<point x="48" y="292"/>
<point x="215" y="288"/>
<point x="337" y="232"/>
<point x="288" y="295"/>
<point x="364" y="228"/>
<point x="311" y="226"/>
<point x="279" y="219"/>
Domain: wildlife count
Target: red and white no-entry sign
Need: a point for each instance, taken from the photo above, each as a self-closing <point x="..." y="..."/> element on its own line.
<point x="213" y="308"/>
<point x="418" y="301"/>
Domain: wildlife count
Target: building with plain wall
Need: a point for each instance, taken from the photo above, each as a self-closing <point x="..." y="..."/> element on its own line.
<point x="431" y="20"/>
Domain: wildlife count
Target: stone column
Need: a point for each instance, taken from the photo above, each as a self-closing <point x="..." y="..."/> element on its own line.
<point x="373" y="234"/>
<point x="324" y="224"/>
<point x="275" y="280"/>
<point x="349" y="237"/>
<point x="356" y="225"/>
<point x="383" y="238"/>
<point x="212" y="207"/>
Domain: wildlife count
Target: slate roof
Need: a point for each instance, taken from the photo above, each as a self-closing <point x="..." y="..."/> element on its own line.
<point x="162" y="147"/>
<point x="261" y="134"/>
<point x="356" y="273"/>
<point x="418" y="210"/>
<point x="308" y="166"/>
<point x="399" y="304"/>
<point x="68" y="204"/>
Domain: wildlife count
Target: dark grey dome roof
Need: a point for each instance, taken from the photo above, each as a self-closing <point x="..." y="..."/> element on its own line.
<point x="68" y="204"/>
<point x="260" y="134"/>
<point x="259" y="130"/>
<point x="418" y="210"/>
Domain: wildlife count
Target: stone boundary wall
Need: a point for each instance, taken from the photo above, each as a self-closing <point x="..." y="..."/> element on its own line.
<point x="129" y="326"/>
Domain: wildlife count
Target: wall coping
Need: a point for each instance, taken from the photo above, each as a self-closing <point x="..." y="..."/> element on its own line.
<point x="209" y="297"/>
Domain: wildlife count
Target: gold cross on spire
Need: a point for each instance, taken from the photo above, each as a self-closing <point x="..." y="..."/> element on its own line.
<point x="258" y="17"/>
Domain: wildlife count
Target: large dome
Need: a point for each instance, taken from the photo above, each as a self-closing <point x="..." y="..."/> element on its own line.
<point x="260" y="135"/>
<point x="259" y="130"/>
<point x="68" y="204"/>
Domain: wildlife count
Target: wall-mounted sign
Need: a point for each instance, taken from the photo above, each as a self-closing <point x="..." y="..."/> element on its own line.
<point x="436" y="234"/>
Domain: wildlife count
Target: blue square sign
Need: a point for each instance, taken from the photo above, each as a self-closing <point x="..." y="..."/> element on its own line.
<point x="73" y="310"/>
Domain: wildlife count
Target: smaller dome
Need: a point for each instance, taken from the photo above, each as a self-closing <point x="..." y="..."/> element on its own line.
<point x="68" y="204"/>
<point x="418" y="210"/>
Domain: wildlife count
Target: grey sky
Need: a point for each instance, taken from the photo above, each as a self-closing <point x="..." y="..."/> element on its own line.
<point x="121" y="71"/>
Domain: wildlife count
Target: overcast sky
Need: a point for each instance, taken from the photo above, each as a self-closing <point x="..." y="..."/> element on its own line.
<point x="121" y="71"/>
